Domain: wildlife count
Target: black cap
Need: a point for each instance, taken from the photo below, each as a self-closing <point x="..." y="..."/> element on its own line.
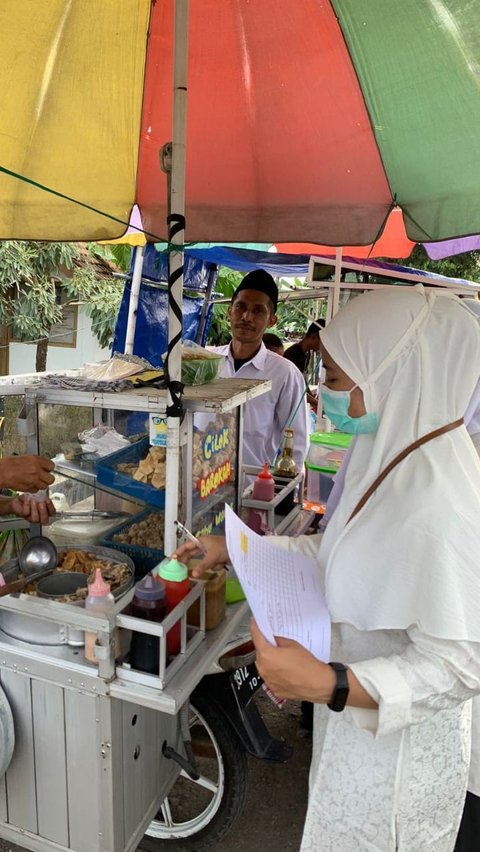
<point x="262" y="281"/>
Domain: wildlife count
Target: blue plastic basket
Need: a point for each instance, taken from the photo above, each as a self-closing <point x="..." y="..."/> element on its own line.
<point x="108" y="475"/>
<point x="144" y="558"/>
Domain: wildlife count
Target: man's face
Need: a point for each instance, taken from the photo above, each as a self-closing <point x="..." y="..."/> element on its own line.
<point x="250" y="315"/>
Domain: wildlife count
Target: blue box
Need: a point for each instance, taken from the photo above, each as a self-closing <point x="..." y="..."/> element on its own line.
<point x="107" y="474"/>
<point x="144" y="558"/>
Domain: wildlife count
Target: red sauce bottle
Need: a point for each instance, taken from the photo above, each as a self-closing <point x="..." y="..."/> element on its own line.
<point x="174" y="576"/>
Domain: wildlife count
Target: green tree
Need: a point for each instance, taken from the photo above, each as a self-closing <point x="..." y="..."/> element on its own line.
<point x="30" y="273"/>
<point x="465" y="265"/>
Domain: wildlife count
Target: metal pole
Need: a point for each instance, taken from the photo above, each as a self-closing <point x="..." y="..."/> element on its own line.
<point x="336" y="283"/>
<point x="176" y="222"/>
<point x="133" y="303"/>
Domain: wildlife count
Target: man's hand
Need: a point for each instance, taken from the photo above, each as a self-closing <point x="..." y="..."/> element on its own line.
<point x="26" y="473"/>
<point x="34" y="511"/>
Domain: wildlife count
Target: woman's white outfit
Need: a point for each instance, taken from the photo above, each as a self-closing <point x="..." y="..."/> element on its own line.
<point x="402" y="584"/>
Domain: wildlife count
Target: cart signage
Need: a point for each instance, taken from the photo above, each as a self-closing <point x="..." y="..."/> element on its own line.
<point x="215" y="442"/>
<point x="218" y="477"/>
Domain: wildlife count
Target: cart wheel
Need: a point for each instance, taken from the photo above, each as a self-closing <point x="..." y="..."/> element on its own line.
<point x="197" y="814"/>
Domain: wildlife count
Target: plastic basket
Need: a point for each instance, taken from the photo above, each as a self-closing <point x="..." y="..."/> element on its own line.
<point x="144" y="558"/>
<point x="108" y="475"/>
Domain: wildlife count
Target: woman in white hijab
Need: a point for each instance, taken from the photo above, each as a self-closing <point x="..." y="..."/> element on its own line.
<point x="391" y="749"/>
<point x="469" y="833"/>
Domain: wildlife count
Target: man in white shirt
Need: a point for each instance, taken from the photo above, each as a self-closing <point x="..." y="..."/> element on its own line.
<point x="251" y="312"/>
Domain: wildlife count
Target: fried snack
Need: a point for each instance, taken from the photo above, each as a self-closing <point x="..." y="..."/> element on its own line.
<point x="145" y="533"/>
<point x="151" y="470"/>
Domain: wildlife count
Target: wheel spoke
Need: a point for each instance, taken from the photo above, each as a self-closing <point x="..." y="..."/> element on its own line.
<point x="203" y="781"/>
<point x="166" y="813"/>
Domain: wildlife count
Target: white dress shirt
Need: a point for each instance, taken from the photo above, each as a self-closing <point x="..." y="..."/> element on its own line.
<point x="266" y="417"/>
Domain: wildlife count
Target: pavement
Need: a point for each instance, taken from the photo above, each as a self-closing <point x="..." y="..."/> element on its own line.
<point x="277" y="793"/>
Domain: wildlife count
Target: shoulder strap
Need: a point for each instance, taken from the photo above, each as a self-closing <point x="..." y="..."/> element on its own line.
<point x="406" y="452"/>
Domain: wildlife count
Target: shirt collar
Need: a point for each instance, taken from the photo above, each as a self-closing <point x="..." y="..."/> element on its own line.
<point x="258" y="360"/>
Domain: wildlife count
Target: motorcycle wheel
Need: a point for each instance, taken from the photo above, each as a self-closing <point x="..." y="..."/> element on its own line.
<point x="198" y="814"/>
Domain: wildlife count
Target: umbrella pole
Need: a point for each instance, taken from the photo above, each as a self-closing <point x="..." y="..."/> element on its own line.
<point x="133" y="301"/>
<point x="176" y="223"/>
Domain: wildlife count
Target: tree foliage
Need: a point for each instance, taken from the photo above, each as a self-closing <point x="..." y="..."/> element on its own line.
<point x="466" y="265"/>
<point x="30" y="273"/>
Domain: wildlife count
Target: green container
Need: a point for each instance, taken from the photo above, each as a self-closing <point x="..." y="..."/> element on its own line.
<point x="327" y="451"/>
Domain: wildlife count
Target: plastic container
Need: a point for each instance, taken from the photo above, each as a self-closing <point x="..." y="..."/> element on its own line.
<point x="100" y="601"/>
<point x="150" y="603"/>
<point x="109" y="475"/>
<point x="263" y="489"/>
<point x="327" y="451"/>
<point x="326" y="454"/>
<point x="214" y="598"/>
<point x="174" y="575"/>
<point x="72" y="532"/>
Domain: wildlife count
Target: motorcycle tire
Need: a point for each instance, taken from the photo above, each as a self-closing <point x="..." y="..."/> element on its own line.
<point x="228" y="801"/>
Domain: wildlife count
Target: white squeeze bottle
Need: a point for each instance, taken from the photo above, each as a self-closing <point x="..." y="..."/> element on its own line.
<point x="100" y="601"/>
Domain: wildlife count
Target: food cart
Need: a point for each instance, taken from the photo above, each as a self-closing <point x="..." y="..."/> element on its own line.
<point x="90" y="752"/>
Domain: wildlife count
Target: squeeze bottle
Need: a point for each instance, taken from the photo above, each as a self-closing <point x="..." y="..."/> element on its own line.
<point x="174" y="575"/>
<point x="99" y="600"/>
<point x="263" y="489"/>
<point x="150" y="603"/>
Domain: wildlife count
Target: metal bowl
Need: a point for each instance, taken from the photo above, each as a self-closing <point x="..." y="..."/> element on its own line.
<point x="35" y="631"/>
<point x="60" y="584"/>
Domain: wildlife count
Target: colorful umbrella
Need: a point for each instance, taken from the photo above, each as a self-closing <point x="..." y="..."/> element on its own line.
<point x="307" y="121"/>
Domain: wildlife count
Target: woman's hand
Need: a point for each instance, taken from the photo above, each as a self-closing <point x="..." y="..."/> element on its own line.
<point x="290" y="671"/>
<point x="214" y="558"/>
<point x="34" y="511"/>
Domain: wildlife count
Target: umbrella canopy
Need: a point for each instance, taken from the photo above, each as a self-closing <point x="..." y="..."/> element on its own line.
<point x="307" y="125"/>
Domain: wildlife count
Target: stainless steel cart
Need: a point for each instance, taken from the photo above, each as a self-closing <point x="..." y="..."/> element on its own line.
<point x="89" y="769"/>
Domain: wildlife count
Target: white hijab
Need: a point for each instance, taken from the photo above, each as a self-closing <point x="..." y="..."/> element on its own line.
<point x="472" y="416"/>
<point x="410" y="556"/>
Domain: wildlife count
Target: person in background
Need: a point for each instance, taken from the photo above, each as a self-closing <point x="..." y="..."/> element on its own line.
<point x="399" y="566"/>
<point x="251" y="312"/>
<point x="299" y="353"/>
<point x="273" y="343"/>
<point x="29" y="474"/>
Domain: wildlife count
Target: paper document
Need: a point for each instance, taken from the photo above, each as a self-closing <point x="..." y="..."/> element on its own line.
<point x="283" y="589"/>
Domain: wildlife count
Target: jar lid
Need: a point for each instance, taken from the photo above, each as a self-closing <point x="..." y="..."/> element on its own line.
<point x="172" y="569"/>
<point x="149" y="589"/>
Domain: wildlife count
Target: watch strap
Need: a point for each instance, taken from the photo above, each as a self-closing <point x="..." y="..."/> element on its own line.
<point x="340" y="694"/>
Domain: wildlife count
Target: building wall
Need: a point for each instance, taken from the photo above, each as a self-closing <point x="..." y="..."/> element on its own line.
<point x="22" y="355"/>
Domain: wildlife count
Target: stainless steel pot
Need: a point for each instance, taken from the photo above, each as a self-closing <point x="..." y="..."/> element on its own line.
<point x="35" y="631"/>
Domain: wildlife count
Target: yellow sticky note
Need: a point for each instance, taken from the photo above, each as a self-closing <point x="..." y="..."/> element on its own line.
<point x="244" y="542"/>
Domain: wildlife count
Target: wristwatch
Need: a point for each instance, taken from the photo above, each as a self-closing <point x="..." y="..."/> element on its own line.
<point x="340" y="694"/>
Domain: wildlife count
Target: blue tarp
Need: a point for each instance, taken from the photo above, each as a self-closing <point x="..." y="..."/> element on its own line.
<point x="151" y="333"/>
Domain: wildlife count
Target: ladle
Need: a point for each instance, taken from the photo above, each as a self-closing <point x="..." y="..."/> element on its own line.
<point x="36" y="559"/>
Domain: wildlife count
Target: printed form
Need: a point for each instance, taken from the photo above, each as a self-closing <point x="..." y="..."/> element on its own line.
<point x="283" y="589"/>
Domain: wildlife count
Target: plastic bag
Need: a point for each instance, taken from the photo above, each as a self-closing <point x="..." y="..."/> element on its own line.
<point x="199" y="366"/>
